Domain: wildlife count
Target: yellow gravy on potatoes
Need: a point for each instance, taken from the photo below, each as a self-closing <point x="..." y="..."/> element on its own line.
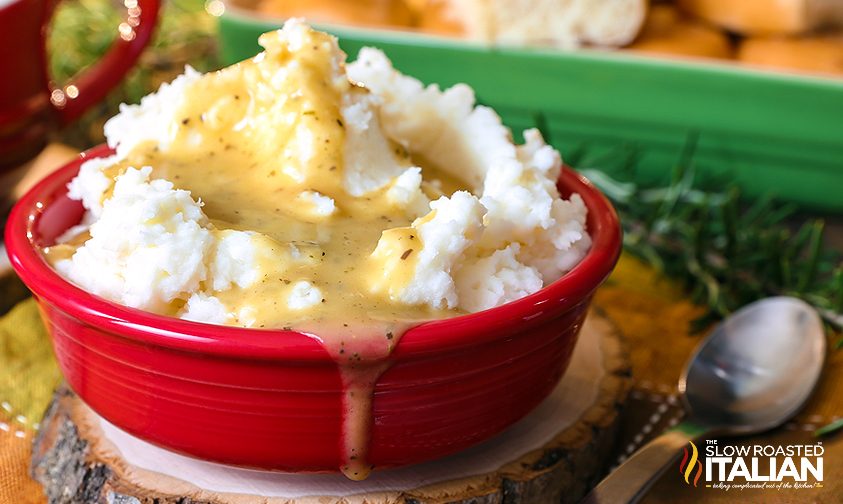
<point x="250" y="185"/>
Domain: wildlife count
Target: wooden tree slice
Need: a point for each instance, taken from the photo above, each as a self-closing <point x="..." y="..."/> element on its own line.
<point x="553" y="455"/>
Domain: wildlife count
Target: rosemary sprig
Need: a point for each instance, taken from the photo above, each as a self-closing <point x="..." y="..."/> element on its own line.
<point x="829" y="428"/>
<point x="727" y="250"/>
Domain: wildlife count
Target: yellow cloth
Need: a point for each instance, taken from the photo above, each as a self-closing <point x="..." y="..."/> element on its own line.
<point x="28" y="375"/>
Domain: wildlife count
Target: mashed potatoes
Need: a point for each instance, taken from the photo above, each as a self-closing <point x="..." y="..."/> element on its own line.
<point x="293" y="187"/>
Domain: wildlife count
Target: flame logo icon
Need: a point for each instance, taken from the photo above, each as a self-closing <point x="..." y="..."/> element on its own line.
<point x="686" y="467"/>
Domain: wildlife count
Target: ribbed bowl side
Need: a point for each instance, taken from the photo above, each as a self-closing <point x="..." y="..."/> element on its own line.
<point x="434" y="407"/>
<point x="272" y="415"/>
<point x="255" y="413"/>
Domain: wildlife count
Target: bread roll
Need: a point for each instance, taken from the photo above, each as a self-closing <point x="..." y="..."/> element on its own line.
<point x="364" y="13"/>
<point x="818" y="54"/>
<point x="766" y="17"/>
<point x="441" y="17"/>
<point x="667" y="31"/>
<point x="561" y="23"/>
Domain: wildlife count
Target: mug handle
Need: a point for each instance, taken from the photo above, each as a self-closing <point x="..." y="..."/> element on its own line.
<point x="92" y="85"/>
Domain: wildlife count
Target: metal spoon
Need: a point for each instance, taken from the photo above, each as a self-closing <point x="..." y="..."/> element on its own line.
<point x="753" y="372"/>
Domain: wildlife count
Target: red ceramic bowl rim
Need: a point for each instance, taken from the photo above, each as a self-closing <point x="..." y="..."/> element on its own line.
<point x="429" y="338"/>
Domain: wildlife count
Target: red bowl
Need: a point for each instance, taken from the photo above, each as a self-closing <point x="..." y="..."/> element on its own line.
<point x="272" y="399"/>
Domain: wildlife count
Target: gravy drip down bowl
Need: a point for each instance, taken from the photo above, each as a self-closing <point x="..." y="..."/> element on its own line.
<point x="273" y="399"/>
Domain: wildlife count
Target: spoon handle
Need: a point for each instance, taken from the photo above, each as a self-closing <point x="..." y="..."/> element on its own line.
<point x="629" y="482"/>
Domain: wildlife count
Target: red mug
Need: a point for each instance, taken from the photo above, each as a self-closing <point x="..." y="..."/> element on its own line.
<point x="31" y="105"/>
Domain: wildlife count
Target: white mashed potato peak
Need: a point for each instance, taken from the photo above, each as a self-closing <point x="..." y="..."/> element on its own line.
<point x="524" y="215"/>
<point x="496" y="279"/>
<point x="202" y="307"/>
<point x="152" y="247"/>
<point x="153" y="119"/>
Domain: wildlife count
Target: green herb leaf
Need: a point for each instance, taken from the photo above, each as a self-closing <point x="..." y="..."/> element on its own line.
<point x="830" y="428"/>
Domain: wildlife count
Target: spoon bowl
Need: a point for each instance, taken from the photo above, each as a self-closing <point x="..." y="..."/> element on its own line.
<point x="757" y="368"/>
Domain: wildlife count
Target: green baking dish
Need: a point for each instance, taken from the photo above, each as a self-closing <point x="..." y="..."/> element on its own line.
<point x="769" y="133"/>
